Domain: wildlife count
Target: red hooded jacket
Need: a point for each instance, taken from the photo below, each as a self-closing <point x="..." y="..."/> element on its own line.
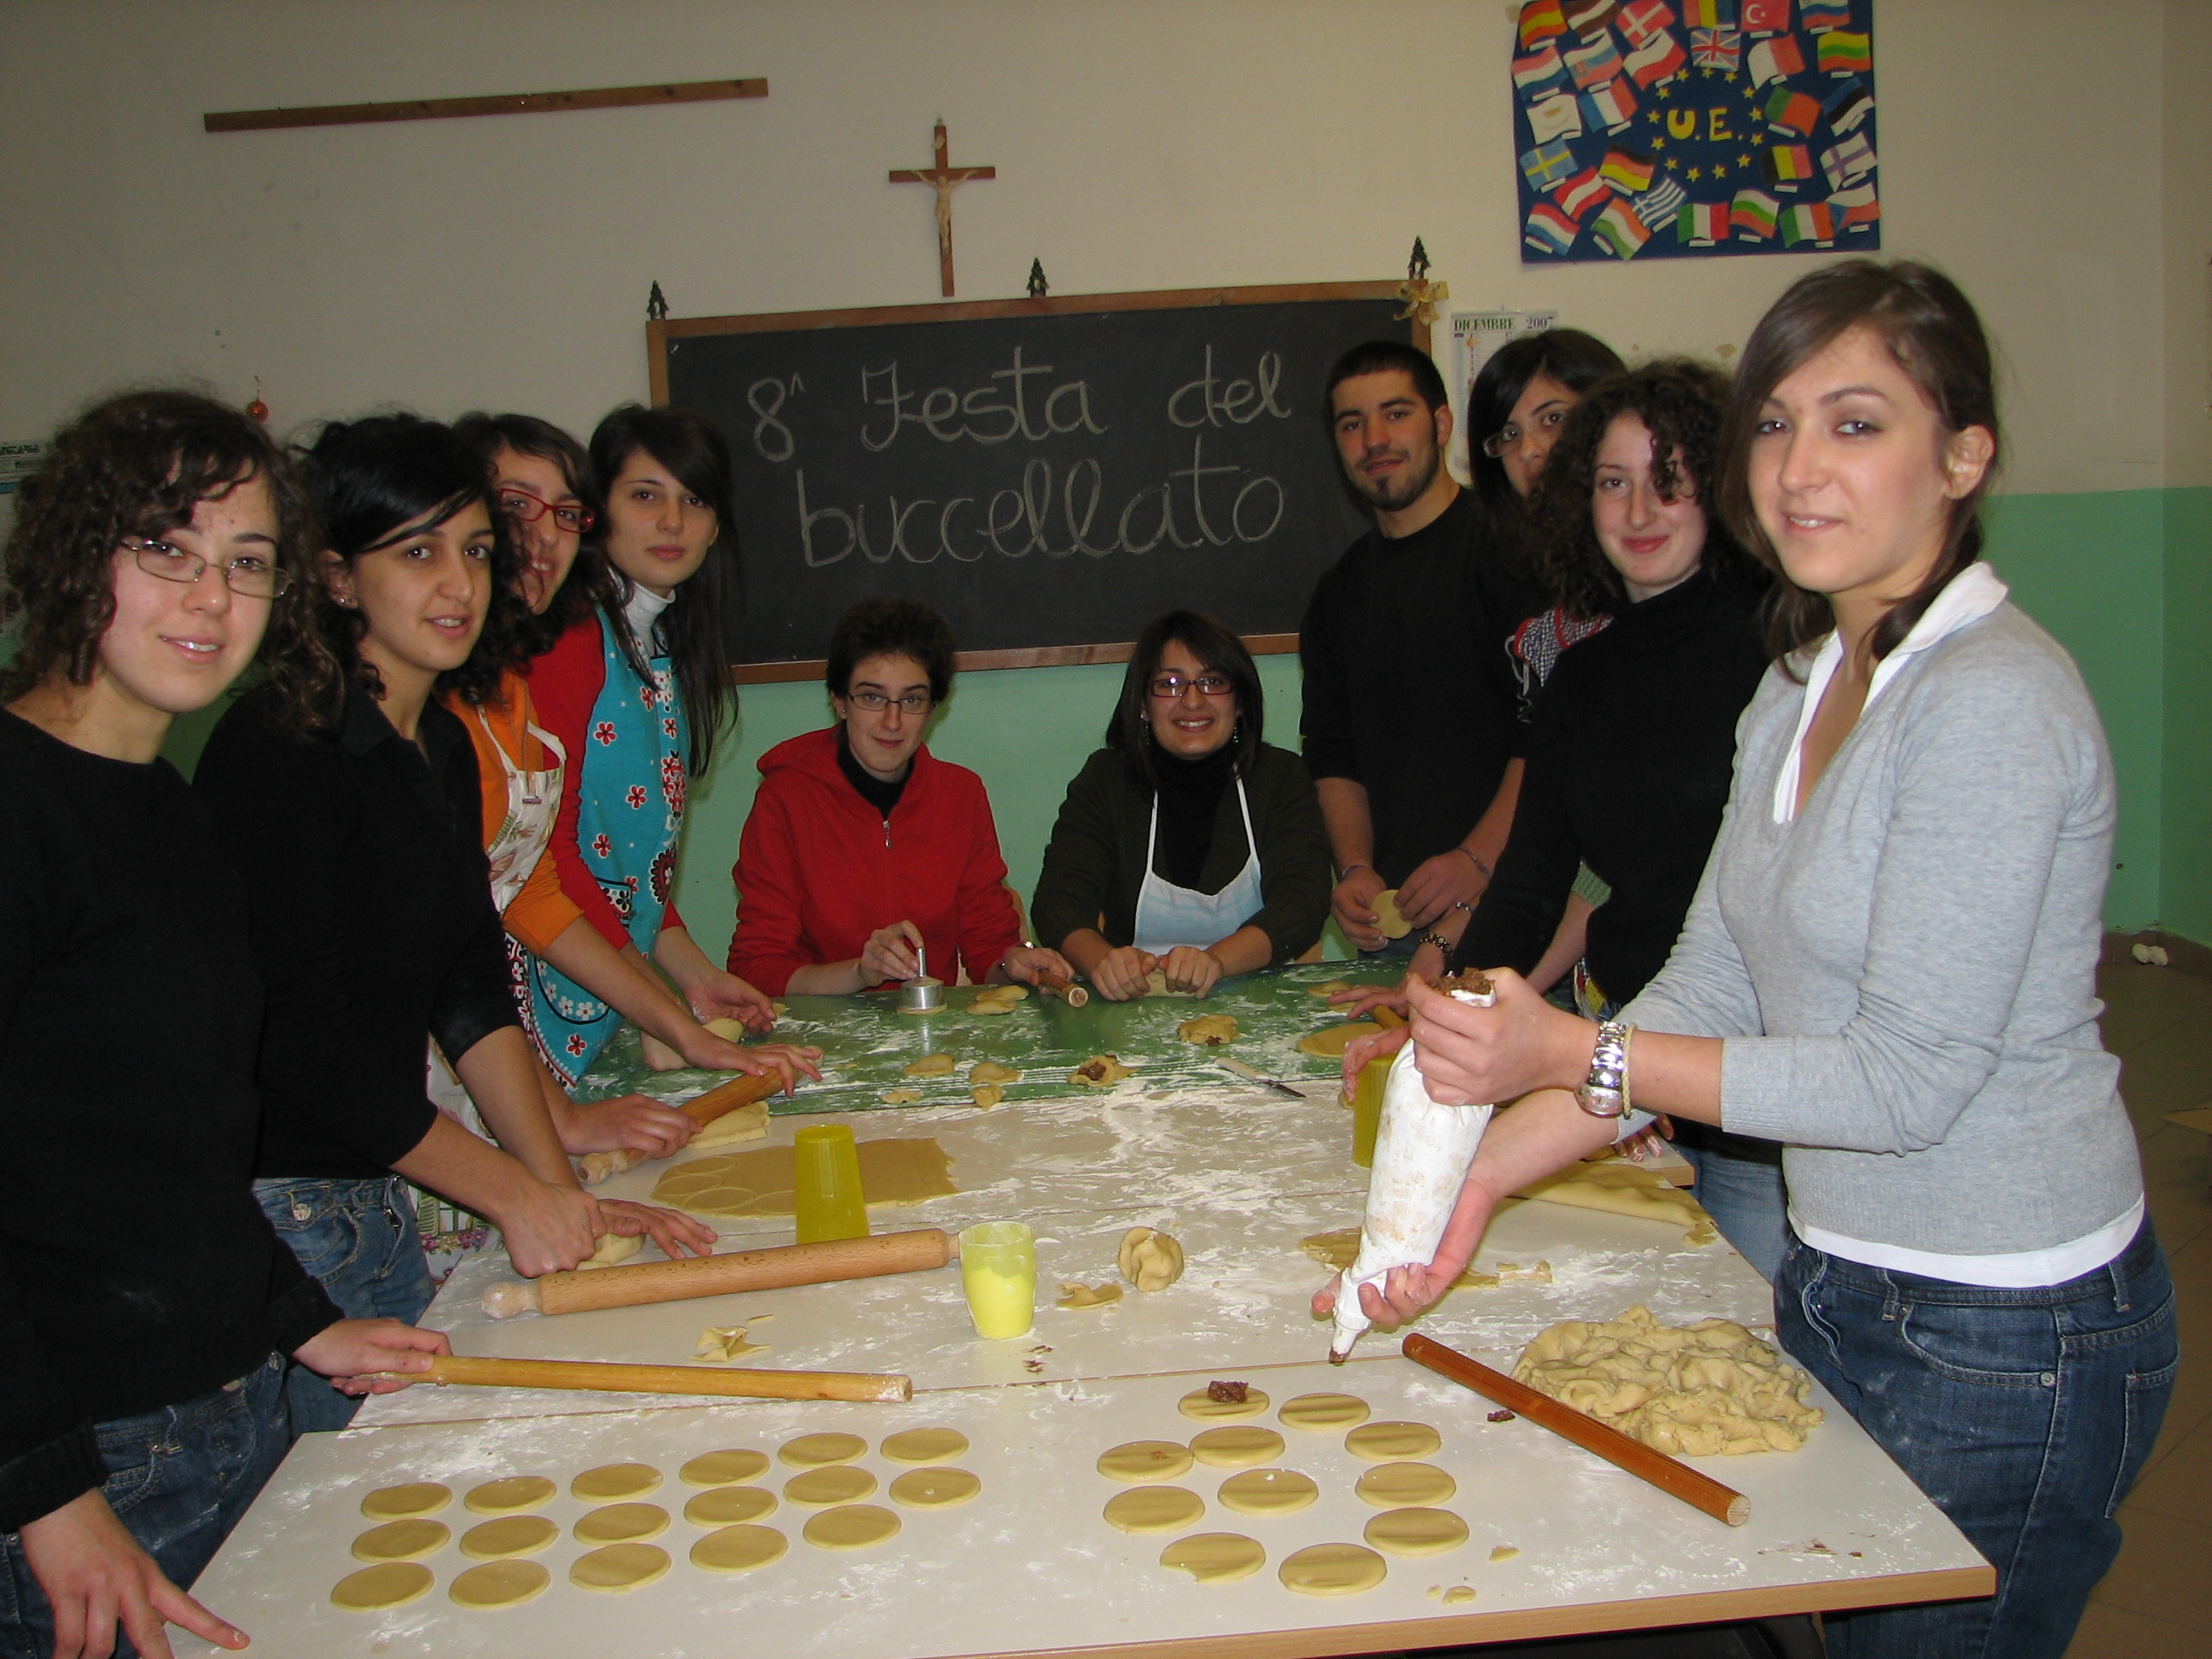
<point x="818" y="870"/>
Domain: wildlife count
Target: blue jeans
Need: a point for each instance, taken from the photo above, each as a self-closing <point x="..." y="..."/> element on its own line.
<point x="1739" y="1184"/>
<point x="178" y="1478"/>
<point x="2024" y="1415"/>
<point x="358" y="1239"/>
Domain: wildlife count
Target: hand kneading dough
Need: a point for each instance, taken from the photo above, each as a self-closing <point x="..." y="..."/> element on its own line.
<point x="512" y="1496"/>
<point x="1333" y="1569"/>
<point x="840" y="1483"/>
<point x="1215" y="1557"/>
<point x="1386" y="1443"/>
<point x="1626" y="1189"/>
<point x="1153" y="1509"/>
<point x="1402" y="1486"/>
<point x="1201" y="1404"/>
<point x="853" y="1527"/>
<point x="989" y="1070"/>
<point x="760" y="1182"/>
<point x="623" y="1523"/>
<point x="1268" y="1491"/>
<point x="727" y="1506"/>
<point x="390" y="1584"/>
<point x="931" y="1066"/>
<point x="619" y="1567"/>
<point x="900" y="1096"/>
<point x="613" y="1247"/>
<point x="1208" y="1031"/>
<point x="934" y="1489"/>
<point x="512" y="1535"/>
<point x="1687" y="1390"/>
<point x="1323" y="1412"/>
<point x="739" y="1549"/>
<point x="1235" y="1447"/>
<point x="1331" y="1041"/>
<point x="1139" y="1460"/>
<point x="1416" y="1532"/>
<point x="405" y="1502"/>
<point x="744" y="1123"/>
<point x="723" y="1468"/>
<point x="814" y="1451"/>
<point x="610" y="1482"/>
<point x="1089" y="1295"/>
<point x="1100" y="1072"/>
<point x="401" y="1540"/>
<point x="499" y="1584"/>
<point x="924" y="1445"/>
<point x="1389" y="920"/>
<point x="1150" y="1259"/>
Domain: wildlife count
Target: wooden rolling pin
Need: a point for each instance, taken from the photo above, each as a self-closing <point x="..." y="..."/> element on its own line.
<point x="665" y="1379"/>
<point x="1676" y="1479"/>
<point x="687" y="1277"/>
<point x="1065" y="989"/>
<point x="702" y="1109"/>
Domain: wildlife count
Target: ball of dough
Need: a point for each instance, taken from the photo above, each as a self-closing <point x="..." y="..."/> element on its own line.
<point x="511" y="1496"/>
<point x="727" y="1506"/>
<point x="1200" y="1404"/>
<point x="388" y="1584"/>
<point x="1416" y="1532"/>
<point x="1150" y="1259"/>
<point x="512" y="1534"/>
<point x="1153" y="1509"/>
<point x="499" y="1584"/>
<point x="1333" y="1569"/>
<point x="813" y="1451"/>
<point x="623" y="1523"/>
<point x="613" y="1247"/>
<point x="1236" y="1448"/>
<point x="1139" y="1460"/>
<point x="723" y="1468"/>
<point x="924" y="1445"/>
<point x="1323" y="1412"/>
<point x="1388" y="922"/>
<point x="1401" y="1485"/>
<point x="405" y="1502"/>
<point x="931" y="1066"/>
<point x="1215" y="1557"/>
<point x="1386" y="1443"/>
<point x="1268" y="1491"/>
<point x="1208" y="1031"/>
<point x="739" y="1549"/>
<point x="610" y="1482"/>
<point x="401" y="1540"/>
<point x="935" y="1488"/>
<point x="852" y="1526"/>
<point x="619" y="1567"/>
<point x="840" y="1483"/>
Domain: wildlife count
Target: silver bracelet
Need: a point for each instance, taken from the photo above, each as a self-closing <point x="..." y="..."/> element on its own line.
<point x="1604" y="1093"/>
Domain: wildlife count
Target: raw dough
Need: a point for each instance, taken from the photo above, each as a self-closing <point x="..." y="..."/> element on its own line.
<point x="1331" y="1041"/>
<point x="1236" y="1448"/>
<point x="512" y="1496"/>
<point x="1328" y="988"/>
<point x="1268" y="1491"/>
<point x="611" y="1482"/>
<point x="1007" y="994"/>
<point x="934" y="1489"/>
<point x="623" y="1523"/>
<point x="1089" y="1295"/>
<point x="1390" y="921"/>
<point x="613" y="1247"/>
<point x="499" y="1584"/>
<point x="1139" y="1460"/>
<point x="619" y="1567"/>
<point x="1324" y="1412"/>
<point x="739" y="1549"/>
<point x="1386" y="1443"/>
<point x="724" y="1343"/>
<point x="1153" y="1509"/>
<point x="730" y="1030"/>
<point x="853" y="1527"/>
<point x="1203" y="1405"/>
<point x="1401" y="1485"/>
<point x="924" y="1445"/>
<point x="1333" y="1569"/>
<point x="1688" y="1390"/>
<point x="986" y="1095"/>
<point x="1626" y="1189"/>
<point x="1416" y="1532"/>
<point x="513" y="1534"/>
<point x="760" y="1182"/>
<point x="840" y="1483"/>
<point x="989" y="1070"/>
<point x="401" y="1540"/>
<point x="745" y="1123"/>
<point x="991" y="1006"/>
<point x="1459" y="1595"/>
<point x="1215" y="1557"/>
<point x="1504" y="1553"/>
<point x="1150" y="1259"/>
<point x="1338" y="1249"/>
<point x="1100" y="1072"/>
<point x="723" y="1468"/>
<point x="1155" y="985"/>
<point x="405" y="1502"/>
<point x="898" y="1097"/>
<point x="814" y="1451"/>
<point x="389" y="1584"/>
<point x="931" y="1066"/>
<point x="1208" y="1031"/>
<point x="727" y="1505"/>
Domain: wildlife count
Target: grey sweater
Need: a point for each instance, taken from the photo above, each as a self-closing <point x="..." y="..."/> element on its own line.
<point x="1906" y="973"/>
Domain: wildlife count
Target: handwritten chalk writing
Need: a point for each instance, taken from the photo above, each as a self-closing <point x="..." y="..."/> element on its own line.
<point x="772" y="439"/>
<point x="1064" y="409"/>
<point x="1253" y="398"/>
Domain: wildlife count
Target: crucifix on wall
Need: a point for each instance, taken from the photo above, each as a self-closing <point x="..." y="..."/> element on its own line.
<point x="947" y="178"/>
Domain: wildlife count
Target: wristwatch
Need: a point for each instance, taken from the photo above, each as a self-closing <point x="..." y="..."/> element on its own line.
<point x="1604" y="1092"/>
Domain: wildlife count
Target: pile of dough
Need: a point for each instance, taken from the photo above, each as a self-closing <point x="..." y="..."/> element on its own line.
<point x="1100" y="1072"/>
<point x="760" y="1182"/>
<point x="989" y="1070"/>
<point x="931" y="1066"/>
<point x="745" y="1123"/>
<point x="1089" y="1295"/>
<point x="900" y="1096"/>
<point x="1688" y="1390"/>
<point x="1208" y="1031"/>
<point x="1150" y="1259"/>
<point x="613" y="1247"/>
<point x="724" y="1343"/>
<point x="986" y="1096"/>
<point x="1389" y="920"/>
<point x="1626" y="1189"/>
<point x="1331" y="1041"/>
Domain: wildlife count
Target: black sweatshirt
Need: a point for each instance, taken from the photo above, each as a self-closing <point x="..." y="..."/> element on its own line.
<point x="372" y="919"/>
<point x="1629" y="764"/>
<point x="137" y="1272"/>
<point x="1408" y="689"/>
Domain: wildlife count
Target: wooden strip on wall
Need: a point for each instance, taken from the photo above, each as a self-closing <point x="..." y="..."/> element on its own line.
<point x="518" y="103"/>
<point x="1041" y="656"/>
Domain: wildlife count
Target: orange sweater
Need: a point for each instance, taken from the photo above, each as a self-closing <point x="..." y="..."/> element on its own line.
<point x="541" y="910"/>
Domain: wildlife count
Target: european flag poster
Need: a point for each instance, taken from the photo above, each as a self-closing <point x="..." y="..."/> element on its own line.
<point x="1688" y="129"/>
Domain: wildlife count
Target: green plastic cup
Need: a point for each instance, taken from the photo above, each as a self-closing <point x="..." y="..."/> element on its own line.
<point x="827" y="1193"/>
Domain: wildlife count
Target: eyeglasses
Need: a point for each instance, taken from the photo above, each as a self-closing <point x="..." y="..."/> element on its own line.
<point x="875" y="703"/>
<point x="1167" y="687"/>
<point x="526" y="508"/>
<point x="1509" y="436"/>
<point x="250" y="578"/>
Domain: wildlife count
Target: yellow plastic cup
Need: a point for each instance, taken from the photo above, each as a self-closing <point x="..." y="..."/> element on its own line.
<point x="1367" y="1109"/>
<point x="827" y="1196"/>
<point x="998" y="1270"/>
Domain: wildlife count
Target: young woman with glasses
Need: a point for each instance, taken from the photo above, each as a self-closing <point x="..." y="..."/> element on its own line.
<point x="1186" y="844"/>
<point x="863" y="848"/>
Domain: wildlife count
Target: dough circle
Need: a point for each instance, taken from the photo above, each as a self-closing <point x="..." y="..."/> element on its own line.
<point x="388" y="1584"/>
<point x="1206" y="1409"/>
<point x="724" y="1468"/>
<point x="1388" y="1442"/>
<point x="934" y="1489"/>
<point x="1402" y="1485"/>
<point x="1323" y="1412"/>
<point x="1139" y="1460"/>
<point x="401" y="1540"/>
<point x="1153" y="1509"/>
<point x="1268" y="1491"/>
<point x="1208" y="1031"/>
<point x="499" y="1584"/>
<point x="739" y="1549"/>
<point x="924" y="1445"/>
<point x="405" y="1502"/>
<point x="1416" y="1532"/>
<point x="509" y="1536"/>
<point x="851" y="1527"/>
<point x="814" y="1451"/>
<point x="1236" y="1448"/>
<point x="1331" y="1041"/>
<point x="1215" y="1557"/>
<point x="619" y="1567"/>
<point x="1389" y="920"/>
<point x="840" y="1483"/>
<point x="611" y="1481"/>
<point x="728" y="1506"/>
<point x="623" y="1523"/>
<point x="512" y="1496"/>
<point x="1333" y="1569"/>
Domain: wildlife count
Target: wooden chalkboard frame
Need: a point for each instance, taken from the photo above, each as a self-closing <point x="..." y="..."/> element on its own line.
<point x="659" y="332"/>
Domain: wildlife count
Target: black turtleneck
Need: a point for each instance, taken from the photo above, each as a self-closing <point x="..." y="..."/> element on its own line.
<point x="1190" y="795"/>
<point x="873" y="790"/>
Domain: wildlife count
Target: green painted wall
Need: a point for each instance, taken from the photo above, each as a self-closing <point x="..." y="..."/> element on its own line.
<point x="2186" y="814"/>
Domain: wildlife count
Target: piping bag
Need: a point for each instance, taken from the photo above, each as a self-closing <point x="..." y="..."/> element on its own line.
<point x="1422" y="1151"/>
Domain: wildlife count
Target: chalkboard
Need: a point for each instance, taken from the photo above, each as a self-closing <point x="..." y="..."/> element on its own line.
<point x="1049" y="474"/>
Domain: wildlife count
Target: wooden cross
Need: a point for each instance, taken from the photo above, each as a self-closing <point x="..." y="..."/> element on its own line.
<point x="947" y="178"/>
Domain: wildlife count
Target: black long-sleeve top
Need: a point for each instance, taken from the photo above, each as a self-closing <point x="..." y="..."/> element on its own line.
<point x="136" y="1269"/>
<point x="1628" y="762"/>
<point x="1408" y="689"/>
<point x="372" y="919"/>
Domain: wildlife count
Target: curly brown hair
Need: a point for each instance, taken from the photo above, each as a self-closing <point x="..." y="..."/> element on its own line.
<point x="139" y="465"/>
<point x="1681" y="401"/>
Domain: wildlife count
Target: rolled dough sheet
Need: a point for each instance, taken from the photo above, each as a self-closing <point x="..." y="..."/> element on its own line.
<point x="739" y="1549"/>
<point x="1331" y="1041"/>
<point x="499" y="1584"/>
<point x="1333" y="1569"/>
<point x="744" y="1123"/>
<point x="1154" y="1509"/>
<point x="510" y="1496"/>
<point x="1626" y="1189"/>
<point x="1215" y="1557"/>
<point x="724" y="1468"/>
<point x="760" y="1182"/>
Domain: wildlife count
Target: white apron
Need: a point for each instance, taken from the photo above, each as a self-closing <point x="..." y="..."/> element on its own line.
<point x="1169" y="915"/>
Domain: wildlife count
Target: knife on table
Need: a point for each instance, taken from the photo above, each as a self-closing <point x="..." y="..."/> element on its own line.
<point x="1248" y="1073"/>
